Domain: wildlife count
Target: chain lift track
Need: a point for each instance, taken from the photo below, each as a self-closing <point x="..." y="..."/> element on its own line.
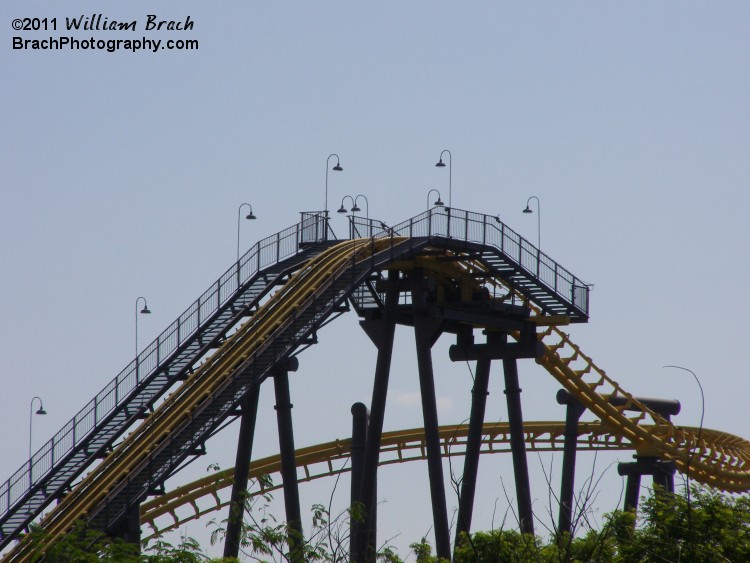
<point x="264" y="329"/>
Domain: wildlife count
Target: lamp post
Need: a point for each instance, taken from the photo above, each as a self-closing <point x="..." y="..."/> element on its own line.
<point x="356" y="208"/>
<point x="538" y="219"/>
<point x="438" y="203"/>
<point x="343" y="209"/>
<point x="441" y="164"/>
<point x="250" y="216"/>
<point x="144" y="311"/>
<point x="337" y="168"/>
<point x="39" y="411"/>
<point x="691" y="455"/>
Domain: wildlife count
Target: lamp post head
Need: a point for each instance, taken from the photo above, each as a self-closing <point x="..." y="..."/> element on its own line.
<point x="528" y="209"/>
<point x="41" y="411"/>
<point x="342" y="209"/>
<point x="250" y="216"/>
<point x="439" y="202"/>
<point x="338" y="167"/>
<point x="145" y="310"/>
<point x="440" y="163"/>
<point x="356" y="209"/>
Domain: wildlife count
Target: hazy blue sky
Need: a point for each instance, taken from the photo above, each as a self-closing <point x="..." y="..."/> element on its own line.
<point x="122" y="173"/>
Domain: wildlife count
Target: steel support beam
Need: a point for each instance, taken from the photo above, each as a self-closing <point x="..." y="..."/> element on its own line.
<point x="288" y="465"/>
<point x="518" y="446"/>
<point x="573" y="414"/>
<point x="381" y="332"/>
<point x="426" y="331"/>
<point x="359" y="441"/>
<point x="241" y="469"/>
<point x="473" y="445"/>
<point x="661" y="471"/>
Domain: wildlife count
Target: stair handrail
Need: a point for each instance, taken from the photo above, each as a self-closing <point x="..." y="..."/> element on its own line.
<point x="470" y="226"/>
<point x="264" y="253"/>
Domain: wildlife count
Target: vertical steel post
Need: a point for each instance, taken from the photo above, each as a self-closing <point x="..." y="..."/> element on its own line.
<point x="241" y="469"/>
<point x="632" y="490"/>
<point x="426" y="330"/>
<point x="288" y="465"/>
<point x="473" y="444"/>
<point x="518" y="446"/>
<point x="381" y="332"/>
<point x="573" y="414"/>
<point x="359" y="441"/>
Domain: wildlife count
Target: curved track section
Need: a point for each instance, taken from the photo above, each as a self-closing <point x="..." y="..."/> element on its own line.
<point x="202" y="496"/>
<point x="472" y="254"/>
<point x="720" y="460"/>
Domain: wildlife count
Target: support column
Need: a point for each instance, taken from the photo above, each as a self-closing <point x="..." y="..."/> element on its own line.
<point x="241" y="469"/>
<point x="288" y="465"/>
<point x="381" y="332"/>
<point x="518" y="446"/>
<point x="426" y="331"/>
<point x="473" y="445"/>
<point x="359" y="440"/>
<point x="567" y="486"/>
<point x="632" y="492"/>
<point x="660" y="470"/>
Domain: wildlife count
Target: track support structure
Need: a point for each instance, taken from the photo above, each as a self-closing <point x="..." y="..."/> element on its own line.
<point x="288" y="465"/>
<point x="574" y="410"/>
<point x="518" y="446"/>
<point x="381" y="331"/>
<point x="241" y="469"/>
<point x="426" y="332"/>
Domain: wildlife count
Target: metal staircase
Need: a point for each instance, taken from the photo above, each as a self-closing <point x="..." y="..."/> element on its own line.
<point x="167" y="360"/>
<point x="209" y="323"/>
<point x="505" y="254"/>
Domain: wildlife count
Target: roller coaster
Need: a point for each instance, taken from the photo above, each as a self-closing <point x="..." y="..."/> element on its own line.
<point x="443" y="271"/>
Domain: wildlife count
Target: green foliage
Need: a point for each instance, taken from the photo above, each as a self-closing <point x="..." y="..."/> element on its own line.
<point x="712" y="527"/>
<point x="705" y="527"/>
<point x="709" y="528"/>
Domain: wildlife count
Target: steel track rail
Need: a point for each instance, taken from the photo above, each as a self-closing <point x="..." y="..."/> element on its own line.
<point x="234" y="354"/>
<point x="202" y="497"/>
<point x="717" y="459"/>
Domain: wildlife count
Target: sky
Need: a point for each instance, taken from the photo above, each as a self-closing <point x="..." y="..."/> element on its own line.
<point x="123" y="173"/>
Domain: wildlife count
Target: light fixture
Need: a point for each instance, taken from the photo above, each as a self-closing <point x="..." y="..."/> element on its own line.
<point x="441" y="164"/>
<point x="438" y="203"/>
<point x="250" y="216"/>
<point x="144" y="311"/>
<point x="538" y="219"/>
<point x="337" y="168"/>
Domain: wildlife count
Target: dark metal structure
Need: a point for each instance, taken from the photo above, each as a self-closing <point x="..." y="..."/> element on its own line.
<point x="501" y="272"/>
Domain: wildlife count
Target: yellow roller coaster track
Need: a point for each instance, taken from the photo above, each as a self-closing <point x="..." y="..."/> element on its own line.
<point x="202" y="496"/>
<point x="717" y="459"/>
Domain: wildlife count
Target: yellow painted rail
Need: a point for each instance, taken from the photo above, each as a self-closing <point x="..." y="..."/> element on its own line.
<point x="715" y="458"/>
<point x="209" y="494"/>
<point x="235" y="354"/>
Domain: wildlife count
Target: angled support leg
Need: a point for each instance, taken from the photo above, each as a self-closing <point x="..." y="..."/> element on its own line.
<point x="381" y="332"/>
<point x="573" y="414"/>
<point x="518" y="446"/>
<point x="288" y="465"/>
<point x="473" y="445"/>
<point x="426" y="331"/>
<point x="241" y="469"/>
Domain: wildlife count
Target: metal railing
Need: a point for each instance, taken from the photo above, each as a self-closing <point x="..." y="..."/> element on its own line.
<point x="486" y="230"/>
<point x="312" y="228"/>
